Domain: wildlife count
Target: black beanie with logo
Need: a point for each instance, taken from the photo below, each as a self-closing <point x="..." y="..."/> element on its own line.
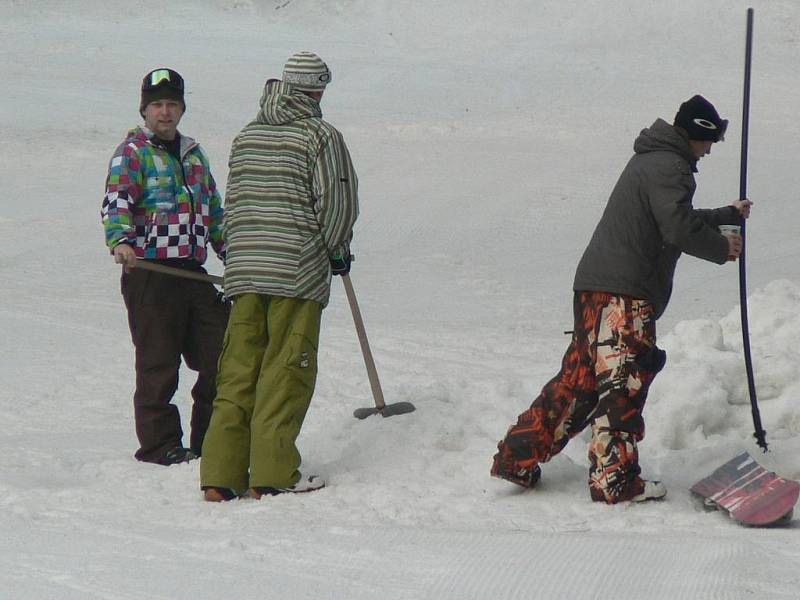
<point x="701" y="120"/>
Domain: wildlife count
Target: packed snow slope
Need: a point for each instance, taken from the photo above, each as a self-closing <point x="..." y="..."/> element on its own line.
<point x="487" y="137"/>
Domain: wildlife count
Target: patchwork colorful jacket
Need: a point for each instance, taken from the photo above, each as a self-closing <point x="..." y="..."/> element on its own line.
<point x="162" y="207"/>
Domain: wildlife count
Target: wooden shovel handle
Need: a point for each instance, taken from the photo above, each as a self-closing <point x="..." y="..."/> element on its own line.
<point x="186" y="274"/>
<point x="372" y="372"/>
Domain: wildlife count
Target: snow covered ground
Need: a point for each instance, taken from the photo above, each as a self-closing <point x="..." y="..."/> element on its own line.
<point x="487" y="136"/>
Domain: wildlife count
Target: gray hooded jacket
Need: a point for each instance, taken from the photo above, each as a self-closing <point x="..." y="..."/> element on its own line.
<point x="649" y="221"/>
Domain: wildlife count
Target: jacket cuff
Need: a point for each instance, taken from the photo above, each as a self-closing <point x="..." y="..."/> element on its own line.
<point x="731" y="216"/>
<point x="119" y="242"/>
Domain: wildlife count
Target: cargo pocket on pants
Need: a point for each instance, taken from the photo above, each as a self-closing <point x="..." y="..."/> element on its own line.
<point x="302" y="360"/>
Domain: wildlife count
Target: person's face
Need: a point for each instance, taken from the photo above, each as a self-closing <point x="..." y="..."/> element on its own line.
<point x="162" y="117"/>
<point x="700" y="147"/>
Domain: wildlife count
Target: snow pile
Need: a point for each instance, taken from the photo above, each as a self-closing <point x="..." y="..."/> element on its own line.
<point x="703" y="393"/>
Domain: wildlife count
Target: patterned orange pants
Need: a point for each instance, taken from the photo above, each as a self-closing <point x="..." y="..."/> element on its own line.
<point x="603" y="382"/>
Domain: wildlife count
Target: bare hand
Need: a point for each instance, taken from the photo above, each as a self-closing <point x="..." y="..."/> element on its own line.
<point x="125" y="255"/>
<point x="743" y="206"/>
<point x="734" y="245"/>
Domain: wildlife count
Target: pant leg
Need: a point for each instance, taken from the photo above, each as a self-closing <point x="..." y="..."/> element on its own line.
<point x="561" y="410"/>
<point x="283" y="394"/>
<point x="627" y="362"/>
<point x="226" y="447"/>
<point x="208" y="318"/>
<point x="157" y="323"/>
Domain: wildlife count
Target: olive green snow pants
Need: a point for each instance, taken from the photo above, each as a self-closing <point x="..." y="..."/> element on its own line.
<point x="266" y="377"/>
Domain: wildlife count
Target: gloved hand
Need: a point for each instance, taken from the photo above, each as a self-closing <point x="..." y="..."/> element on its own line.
<point x="340" y="264"/>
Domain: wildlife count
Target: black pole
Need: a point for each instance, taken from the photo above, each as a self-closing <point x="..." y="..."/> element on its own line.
<point x="759" y="434"/>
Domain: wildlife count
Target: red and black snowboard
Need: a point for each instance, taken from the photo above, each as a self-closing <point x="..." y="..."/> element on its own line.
<point x="749" y="493"/>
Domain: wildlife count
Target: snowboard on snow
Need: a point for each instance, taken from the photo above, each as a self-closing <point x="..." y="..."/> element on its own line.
<point x="749" y="493"/>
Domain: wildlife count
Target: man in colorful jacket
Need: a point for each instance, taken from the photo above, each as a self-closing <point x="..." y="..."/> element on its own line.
<point x="162" y="206"/>
<point x="291" y="203"/>
<point x="622" y="285"/>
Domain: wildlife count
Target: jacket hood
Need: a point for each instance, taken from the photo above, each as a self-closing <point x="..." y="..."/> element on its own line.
<point x="282" y="104"/>
<point x="663" y="137"/>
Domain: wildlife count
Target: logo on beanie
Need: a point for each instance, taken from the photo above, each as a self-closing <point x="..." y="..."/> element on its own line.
<point x="706" y="124"/>
<point x="307" y="72"/>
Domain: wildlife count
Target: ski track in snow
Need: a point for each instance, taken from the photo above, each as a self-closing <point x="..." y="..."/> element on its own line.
<point x="487" y="140"/>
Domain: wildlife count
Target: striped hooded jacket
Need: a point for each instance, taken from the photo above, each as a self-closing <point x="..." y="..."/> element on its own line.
<point x="291" y="200"/>
<point x="161" y="207"/>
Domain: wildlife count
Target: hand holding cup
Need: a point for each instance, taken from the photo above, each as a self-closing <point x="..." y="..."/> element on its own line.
<point x="733" y="233"/>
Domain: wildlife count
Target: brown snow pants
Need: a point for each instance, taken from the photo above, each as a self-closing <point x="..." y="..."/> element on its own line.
<point x="169" y="318"/>
<point x="604" y="378"/>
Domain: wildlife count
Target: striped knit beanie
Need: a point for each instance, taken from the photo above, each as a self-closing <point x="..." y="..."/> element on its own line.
<point x="306" y="71"/>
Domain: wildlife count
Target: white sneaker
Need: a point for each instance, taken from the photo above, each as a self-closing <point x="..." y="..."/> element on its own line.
<point x="307" y="483"/>
<point x="653" y="490"/>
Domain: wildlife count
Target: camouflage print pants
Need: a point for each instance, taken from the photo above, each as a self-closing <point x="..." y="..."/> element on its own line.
<point x="603" y="382"/>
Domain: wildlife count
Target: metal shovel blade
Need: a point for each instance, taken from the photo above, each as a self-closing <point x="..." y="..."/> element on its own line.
<point x="390" y="410"/>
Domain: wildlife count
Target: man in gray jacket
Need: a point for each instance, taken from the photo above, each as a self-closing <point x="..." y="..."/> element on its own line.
<point x="622" y="285"/>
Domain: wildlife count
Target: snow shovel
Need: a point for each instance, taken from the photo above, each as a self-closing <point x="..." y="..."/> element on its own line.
<point x="398" y="408"/>
<point x="380" y="408"/>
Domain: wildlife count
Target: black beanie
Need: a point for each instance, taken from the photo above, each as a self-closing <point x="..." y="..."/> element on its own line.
<point x="701" y="120"/>
<point x="161" y="84"/>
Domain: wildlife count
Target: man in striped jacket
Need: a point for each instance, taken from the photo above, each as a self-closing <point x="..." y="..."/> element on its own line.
<point x="290" y="206"/>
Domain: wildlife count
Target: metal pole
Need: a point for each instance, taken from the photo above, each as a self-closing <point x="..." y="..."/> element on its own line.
<point x="759" y="433"/>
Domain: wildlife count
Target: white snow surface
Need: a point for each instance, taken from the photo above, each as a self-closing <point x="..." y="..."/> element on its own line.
<point x="487" y="137"/>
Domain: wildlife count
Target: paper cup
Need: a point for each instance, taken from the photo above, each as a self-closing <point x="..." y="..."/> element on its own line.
<point x="727" y="229"/>
<point x="723" y="229"/>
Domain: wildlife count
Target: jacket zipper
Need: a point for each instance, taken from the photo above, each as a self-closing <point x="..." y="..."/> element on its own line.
<point x="192" y="211"/>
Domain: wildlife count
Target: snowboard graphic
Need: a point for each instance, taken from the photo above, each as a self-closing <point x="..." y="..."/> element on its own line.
<point x="748" y="492"/>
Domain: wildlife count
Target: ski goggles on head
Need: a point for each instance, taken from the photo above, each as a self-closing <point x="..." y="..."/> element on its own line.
<point x="162" y="77"/>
